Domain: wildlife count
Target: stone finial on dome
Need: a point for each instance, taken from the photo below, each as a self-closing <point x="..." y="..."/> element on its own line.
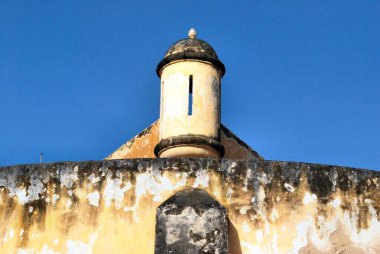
<point x="191" y="48"/>
<point x="192" y="33"/>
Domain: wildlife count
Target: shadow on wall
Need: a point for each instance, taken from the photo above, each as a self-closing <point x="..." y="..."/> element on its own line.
<point x="233" y="240"/>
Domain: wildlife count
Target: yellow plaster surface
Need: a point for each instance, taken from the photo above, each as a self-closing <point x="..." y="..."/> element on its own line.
<point x="142" y="146"/>
<point x="110" y="207"/>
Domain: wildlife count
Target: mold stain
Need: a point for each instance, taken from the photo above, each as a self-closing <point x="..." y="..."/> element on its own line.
<point x="110" y="206"/>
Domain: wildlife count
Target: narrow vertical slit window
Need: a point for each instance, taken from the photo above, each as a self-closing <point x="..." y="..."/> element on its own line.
<point x="190" y="99"/>
<point x="162" y="99"/>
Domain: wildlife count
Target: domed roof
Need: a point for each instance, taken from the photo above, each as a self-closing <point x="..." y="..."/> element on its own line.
<point x="191" y="48"/>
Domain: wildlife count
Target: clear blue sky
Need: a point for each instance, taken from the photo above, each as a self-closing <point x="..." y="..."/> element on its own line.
<point x="77" y="78"/>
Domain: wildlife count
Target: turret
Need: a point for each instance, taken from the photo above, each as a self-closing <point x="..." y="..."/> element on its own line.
<point x="190" y="74"/>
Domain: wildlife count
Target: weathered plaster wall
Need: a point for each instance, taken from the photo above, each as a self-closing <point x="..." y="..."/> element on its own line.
<point x="110" y="206"/>
<point x="142" y="145"/>
<point x="235" y="148"/>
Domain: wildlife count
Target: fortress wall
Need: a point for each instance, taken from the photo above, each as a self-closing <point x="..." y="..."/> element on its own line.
<point x="110" y="206"/>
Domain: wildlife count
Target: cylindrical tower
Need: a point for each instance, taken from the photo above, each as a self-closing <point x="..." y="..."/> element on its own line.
<point x="190" y="100"/>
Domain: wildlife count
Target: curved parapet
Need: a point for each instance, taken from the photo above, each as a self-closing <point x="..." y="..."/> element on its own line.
<point x="110" y="206"/>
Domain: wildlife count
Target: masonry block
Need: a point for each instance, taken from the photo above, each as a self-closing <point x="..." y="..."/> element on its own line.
<point x="191" y="221"/>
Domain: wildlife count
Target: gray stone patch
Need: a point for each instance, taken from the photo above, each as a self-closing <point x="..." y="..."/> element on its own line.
<point x="191" y="222"/>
